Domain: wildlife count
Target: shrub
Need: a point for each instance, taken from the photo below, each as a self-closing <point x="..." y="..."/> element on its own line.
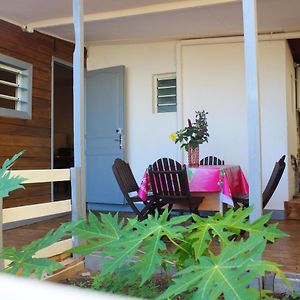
<point x="201" y="271"/>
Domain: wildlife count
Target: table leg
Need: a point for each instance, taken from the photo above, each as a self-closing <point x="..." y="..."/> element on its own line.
<point x="223" y="203"/>
<point x="221" y="207"/>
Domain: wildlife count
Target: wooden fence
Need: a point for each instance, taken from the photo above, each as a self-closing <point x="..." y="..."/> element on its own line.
<point x="22" y="213"/>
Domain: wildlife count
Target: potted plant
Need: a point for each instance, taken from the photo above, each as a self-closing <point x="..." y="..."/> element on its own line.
<point x="192" y="136"/>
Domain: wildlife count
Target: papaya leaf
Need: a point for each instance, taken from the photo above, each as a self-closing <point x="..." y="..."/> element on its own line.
<point x="98" y="234"/>
<point x="145" y="239"/>
<point x="39" y="266"/>
<point x="8" y="183"/>
<point x="267" y="295"/>
<point x="270" y="231"/>
<point x="183" y="255"/>
<point x="228" y="274"/>
<point x="204" y="231"/>
<point x="201" y="239"/>
<point x="23" y="261"/>
<point x="9" y="162"/>
<point x="260" y="267"/>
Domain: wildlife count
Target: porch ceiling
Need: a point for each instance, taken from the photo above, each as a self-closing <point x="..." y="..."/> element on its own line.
<point x="169" y="23"/>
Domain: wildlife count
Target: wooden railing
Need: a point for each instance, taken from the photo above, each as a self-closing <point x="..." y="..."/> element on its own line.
<point x="22" y="213"/>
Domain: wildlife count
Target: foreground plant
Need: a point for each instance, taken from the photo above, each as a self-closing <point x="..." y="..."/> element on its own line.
<point x="209" y="258"/>
<point x="121" y="283"/>
<point x="9" y="183"/>
<point x="138" y="242"/>
<point x="200" y="270"/>
<point x="24" y="262"/>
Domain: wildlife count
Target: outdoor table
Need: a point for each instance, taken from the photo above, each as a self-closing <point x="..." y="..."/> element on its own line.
<point x="226" y="180"/>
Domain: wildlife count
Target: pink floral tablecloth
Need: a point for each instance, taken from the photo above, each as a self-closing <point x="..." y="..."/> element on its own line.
<point x="226" y="179"/>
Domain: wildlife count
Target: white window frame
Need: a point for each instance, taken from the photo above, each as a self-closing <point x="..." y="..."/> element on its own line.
<point x="157" y="77"/>
<point x="23" y="97"/>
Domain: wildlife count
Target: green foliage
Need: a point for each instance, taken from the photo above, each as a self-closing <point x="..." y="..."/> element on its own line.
<point x="209" y="258"/>
<point x="195" y="133"/>
<point x="229" y="226"/>
<point x="8" y="183"/>
<point x="138" y="241"/>
<point x="121" y="283"/>
<point x="228" y="274"/>
<point x="98" y="235"/>
<point x="202" y="270"/>
<point x="23" y="261"/>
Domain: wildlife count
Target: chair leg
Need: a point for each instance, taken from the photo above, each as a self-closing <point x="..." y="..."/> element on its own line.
<point x="194" y="208"/>
<point x="170" y="206"/>
<point x="196" y="212"/>
<point x="225" y="207"/>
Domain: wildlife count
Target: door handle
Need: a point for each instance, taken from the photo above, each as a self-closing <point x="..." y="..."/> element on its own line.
<point x="119" y="139"/>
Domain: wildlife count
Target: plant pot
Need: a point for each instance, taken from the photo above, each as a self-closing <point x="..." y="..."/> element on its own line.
<point x="193" y="157"/>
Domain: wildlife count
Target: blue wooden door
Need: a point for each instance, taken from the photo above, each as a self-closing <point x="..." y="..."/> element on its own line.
<point x="104" y="133"/>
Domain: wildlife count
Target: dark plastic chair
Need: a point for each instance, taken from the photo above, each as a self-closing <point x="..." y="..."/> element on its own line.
<point x="269" y="189"/>
<point x="211" y="161"/>
<point x="169" y="183"/>
<point x="128" y="185"/>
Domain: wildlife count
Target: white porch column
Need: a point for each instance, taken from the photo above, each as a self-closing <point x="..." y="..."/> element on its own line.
<point x="253" y="101"/>
<point x="79" y="110"/>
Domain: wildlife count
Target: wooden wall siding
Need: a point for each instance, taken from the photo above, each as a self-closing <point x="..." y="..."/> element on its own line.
<point x="31" y="135"/>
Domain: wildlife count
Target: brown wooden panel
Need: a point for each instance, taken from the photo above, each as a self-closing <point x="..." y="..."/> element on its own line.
<point x="31" y="152"/>
<point x="41" y="108"/>
<point x="41" y="75"/>
<point x="23" y="130"/>
<point x="37" y="121"/>
<point x="43" y="85"/>
<point x="26" y="234"/>
<point x="30" y="200"/>
<point x="33" y="189"/>
<point x="11" y="140"/>
<point x="40" y="93"/>
<point x="29" y="163"/>
<point x="32" y="194"/>
<point x="31" y="135"/>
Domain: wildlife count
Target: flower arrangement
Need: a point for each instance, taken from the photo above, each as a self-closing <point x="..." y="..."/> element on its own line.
<point x="194" y="134"/>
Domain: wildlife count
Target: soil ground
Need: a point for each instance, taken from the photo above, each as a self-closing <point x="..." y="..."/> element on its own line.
<point x="84" y="279"/>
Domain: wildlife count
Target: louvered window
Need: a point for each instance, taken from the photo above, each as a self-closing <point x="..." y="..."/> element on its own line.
<point x="15" y="88"/>
<point x="165" y="93"/>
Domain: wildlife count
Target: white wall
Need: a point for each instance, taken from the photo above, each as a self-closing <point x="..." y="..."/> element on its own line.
<point x="213" y="79"/>
<point x="148" y="133"/>
<point x="209" y="81"/>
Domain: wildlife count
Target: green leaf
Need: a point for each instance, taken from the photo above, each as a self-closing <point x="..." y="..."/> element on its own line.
<point x="260" y="267"/>
<point x="23" y="260"/>
<point x="205" y="230"/>
<point x="98" y="234"/>
<point x="8" y="183"/>
<point x="270" y="231"/>
<point x="121" y="245"/>
<point x="201" y="240"/>
<point x="227" y="274"/>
